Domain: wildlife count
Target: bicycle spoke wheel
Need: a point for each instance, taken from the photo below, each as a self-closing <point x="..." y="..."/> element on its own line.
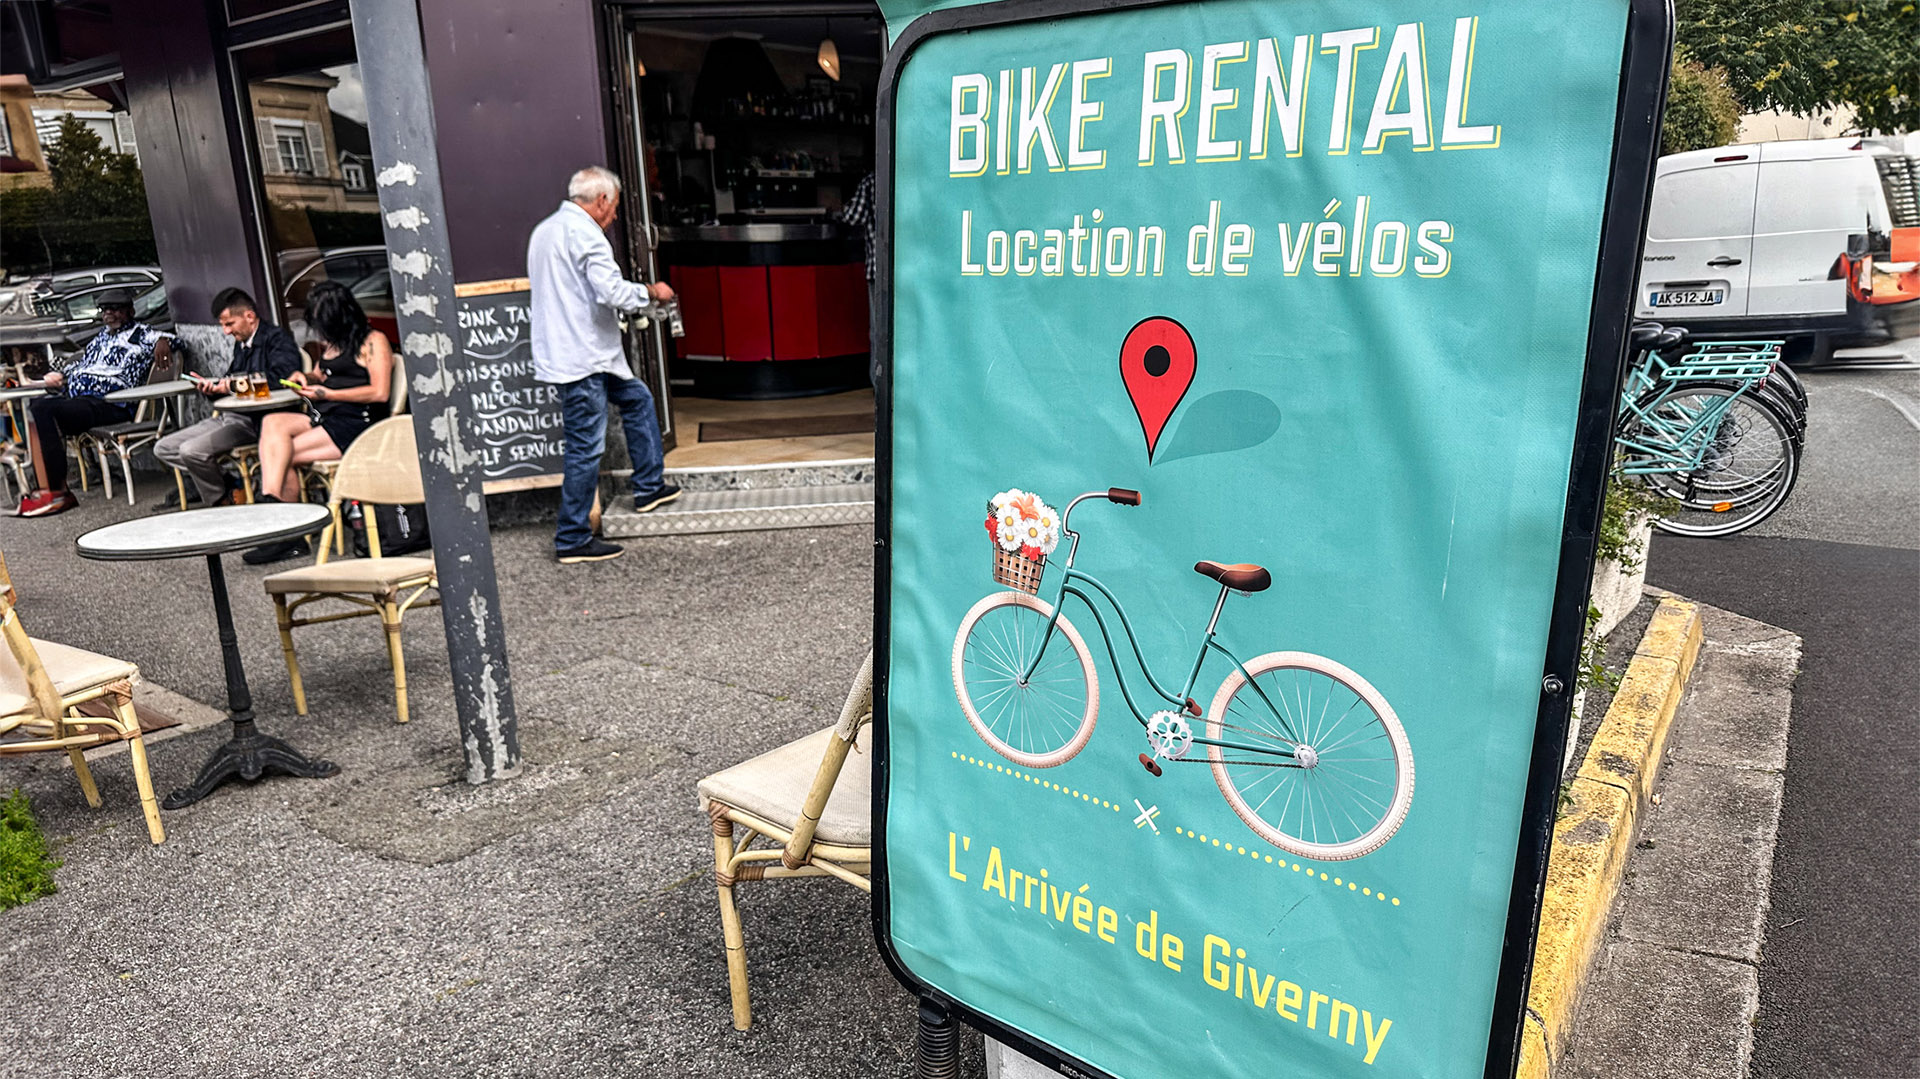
<point x="1038" y="720"/>
<point x="1313" y="760"/>
<point x="1748" y="460"/>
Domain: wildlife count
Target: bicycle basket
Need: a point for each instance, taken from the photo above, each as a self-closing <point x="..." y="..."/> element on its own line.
<point x="1016" y="570"/>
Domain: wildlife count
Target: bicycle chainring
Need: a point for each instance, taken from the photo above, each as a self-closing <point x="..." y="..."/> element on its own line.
<point x="1169" y="734"/>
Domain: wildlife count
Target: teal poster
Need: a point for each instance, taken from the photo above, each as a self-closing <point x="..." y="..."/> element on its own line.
<point x="1237" y="352"/>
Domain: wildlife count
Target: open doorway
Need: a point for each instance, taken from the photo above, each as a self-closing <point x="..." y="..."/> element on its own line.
<point x="746" y="139"/>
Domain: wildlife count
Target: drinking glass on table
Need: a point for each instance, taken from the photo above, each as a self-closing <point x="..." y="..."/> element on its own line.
<point x="242" y="385"/>
<point x="261" y="387"/>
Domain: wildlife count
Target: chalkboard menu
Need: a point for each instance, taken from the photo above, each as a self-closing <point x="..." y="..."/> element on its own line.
<point x="513" y="422"/>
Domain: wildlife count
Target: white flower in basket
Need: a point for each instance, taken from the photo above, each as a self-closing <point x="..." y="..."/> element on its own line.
<point x="1025" y="531"/>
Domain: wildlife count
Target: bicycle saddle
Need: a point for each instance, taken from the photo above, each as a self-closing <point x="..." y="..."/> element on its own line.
<point x="1645" y="334"/>
<point x="1243" y="576"/>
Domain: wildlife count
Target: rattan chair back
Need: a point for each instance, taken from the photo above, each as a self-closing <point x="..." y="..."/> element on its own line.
<point x="381" y="466"/>
<point x="23" y="657"/>
<point x="397" y="396"/>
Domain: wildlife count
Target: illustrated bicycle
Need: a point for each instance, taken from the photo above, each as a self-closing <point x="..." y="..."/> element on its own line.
<point x="1307" y="753"/>
<point x="1717" y="433"/>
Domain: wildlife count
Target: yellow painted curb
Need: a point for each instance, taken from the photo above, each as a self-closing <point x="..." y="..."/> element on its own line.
<point x="1593" y="837"/>
<point x="1533" y="1051"/>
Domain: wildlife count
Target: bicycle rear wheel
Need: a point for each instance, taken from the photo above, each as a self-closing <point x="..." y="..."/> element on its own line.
<point x="1748" y="461"/>
<point x="1316" y="763"/>
<point x="1040" y="720"/>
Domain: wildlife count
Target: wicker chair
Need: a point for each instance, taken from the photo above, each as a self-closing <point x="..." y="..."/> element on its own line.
<point x="42" y="686"/>
<point x="380" y="468"/>
<point x="809" y="799"/>
<point x="123" y="440"/>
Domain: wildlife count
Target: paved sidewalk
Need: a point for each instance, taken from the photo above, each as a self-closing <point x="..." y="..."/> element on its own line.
<point x="394" y="921"/>
<point x="1675" y="993"/>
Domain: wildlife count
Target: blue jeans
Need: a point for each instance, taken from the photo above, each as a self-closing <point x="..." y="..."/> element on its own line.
<point x="583" y="413"/>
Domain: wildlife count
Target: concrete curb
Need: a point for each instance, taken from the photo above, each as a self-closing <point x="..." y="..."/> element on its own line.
<point x="1593" y="838"/>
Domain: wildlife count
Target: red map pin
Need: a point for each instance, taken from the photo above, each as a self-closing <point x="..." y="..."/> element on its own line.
<point x="1156" y="363"/>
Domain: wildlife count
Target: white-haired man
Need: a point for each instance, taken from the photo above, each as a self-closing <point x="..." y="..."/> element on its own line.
<point x="578" y="293"/>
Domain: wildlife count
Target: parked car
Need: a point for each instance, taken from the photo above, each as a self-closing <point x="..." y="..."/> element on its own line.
<point x="1746" y="241"/>
<point x="18" y="298"/>
<point x="45" y="289"/>
<point x="71" y="319"/>
<point x="363" y="270"/>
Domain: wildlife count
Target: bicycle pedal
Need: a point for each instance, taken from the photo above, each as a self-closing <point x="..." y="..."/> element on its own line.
<point x="1150" y="764"/>
<point x="1192" y="707"/>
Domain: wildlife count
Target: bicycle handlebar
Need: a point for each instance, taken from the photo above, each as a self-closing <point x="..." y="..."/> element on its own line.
<point x="1119" y="495"/>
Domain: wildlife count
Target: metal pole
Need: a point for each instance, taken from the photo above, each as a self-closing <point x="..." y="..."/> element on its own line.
<point x="393" y="64"/>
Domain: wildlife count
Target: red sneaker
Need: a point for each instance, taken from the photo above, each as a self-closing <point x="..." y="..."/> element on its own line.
<point x="34" y="503"/>
<point x="50" y="504"/>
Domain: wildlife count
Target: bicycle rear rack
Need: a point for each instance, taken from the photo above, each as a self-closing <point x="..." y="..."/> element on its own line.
<point x="1719" y="361"/>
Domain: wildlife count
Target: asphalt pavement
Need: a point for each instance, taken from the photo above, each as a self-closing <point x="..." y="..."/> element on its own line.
<point x="394" y="921"/>
<point x="1840" y="566"/>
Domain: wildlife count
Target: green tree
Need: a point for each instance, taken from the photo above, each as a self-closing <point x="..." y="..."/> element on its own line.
<point x="1701" y="110"/>
<point x="91" y="181"/>
<point x="1803" y="55"/>
<point x="1877" y="49"/>
<point x="94" y="214"/>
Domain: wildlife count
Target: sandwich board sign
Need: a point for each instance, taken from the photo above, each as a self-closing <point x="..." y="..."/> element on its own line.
<point x="1247" y="375"/>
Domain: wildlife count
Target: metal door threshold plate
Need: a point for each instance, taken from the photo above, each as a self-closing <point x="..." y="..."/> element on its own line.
<point x="807" y="506"/>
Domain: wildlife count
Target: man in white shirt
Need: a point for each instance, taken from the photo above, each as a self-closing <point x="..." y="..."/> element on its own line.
<point x="578" y="293"/>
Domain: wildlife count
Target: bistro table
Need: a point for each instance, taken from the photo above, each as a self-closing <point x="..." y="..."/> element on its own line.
<point x="211" y="533"/>
<point x="164" y="392"/>
<point x="10" y="401"/>
<point x="11" y="397"/>
<point x="274" y="401"/>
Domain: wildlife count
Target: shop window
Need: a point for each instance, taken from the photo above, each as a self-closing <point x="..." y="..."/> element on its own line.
<point x="312" y="158"/>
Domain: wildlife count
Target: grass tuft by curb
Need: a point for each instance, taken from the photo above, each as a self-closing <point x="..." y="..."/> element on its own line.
<point x="26" y="869"/>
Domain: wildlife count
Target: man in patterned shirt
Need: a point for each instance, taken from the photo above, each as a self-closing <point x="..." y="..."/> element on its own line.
<point x="117" y="358"/>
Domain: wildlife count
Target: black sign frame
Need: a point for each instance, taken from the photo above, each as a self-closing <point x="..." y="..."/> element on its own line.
<point x="1636" y="143"/>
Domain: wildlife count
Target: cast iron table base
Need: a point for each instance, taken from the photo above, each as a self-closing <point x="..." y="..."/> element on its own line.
<point x="249" y="755"/>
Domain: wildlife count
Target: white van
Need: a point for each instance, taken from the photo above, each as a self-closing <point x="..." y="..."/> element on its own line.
<point x="1745" y="240"/>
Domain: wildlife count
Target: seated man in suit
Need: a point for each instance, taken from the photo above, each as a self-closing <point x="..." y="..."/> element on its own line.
<point x="257" y="349"/>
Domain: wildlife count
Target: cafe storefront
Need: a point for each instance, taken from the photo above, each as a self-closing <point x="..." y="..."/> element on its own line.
<point x="741" y="132"/>
<point x="744" y="138"/>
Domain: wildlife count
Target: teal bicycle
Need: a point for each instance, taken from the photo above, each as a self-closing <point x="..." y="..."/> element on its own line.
<point x="1716" y="433"/>
<point x="1308" y="754"/>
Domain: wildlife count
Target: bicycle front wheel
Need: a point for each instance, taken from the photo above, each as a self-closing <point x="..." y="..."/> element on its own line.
<point x="1748" y="463"/>
<point x="1040" y="719"/>
<point x="1310" y="756"/>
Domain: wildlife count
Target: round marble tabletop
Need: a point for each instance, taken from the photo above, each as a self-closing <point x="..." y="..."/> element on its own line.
<point x="278" y="399"/>
<point x="20" y="393"/>
<point x="151" y="390"/>
<point x="201" y="532"/>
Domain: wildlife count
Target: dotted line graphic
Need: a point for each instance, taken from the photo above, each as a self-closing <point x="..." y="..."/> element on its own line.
<point x="1231" y="849"/>
<point x="1281" y="863"/>
<point x="1048" y="784"/>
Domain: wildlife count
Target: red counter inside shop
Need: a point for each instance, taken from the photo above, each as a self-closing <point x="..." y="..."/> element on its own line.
<point x="770" y="329"/>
